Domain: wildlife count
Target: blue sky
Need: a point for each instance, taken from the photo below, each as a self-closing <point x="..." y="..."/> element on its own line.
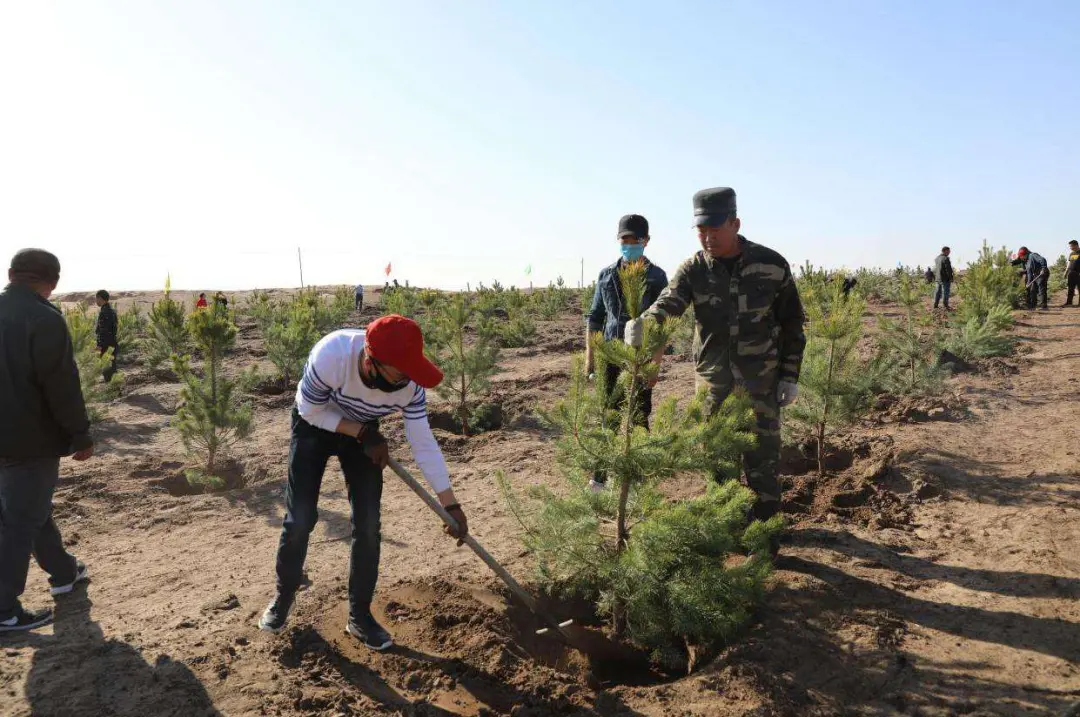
<point x="463" y="141"/>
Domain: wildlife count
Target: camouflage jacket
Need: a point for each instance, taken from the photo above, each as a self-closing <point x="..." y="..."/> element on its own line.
<point x="748" y="324"/>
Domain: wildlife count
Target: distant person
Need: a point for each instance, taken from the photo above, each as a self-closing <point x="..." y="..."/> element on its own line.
<point x="1036" y="273"/>
<point x="201" y="303"/>
<point x="42" y="418"/>
<point x="610" y="316"/>
<point x="220" y="300"/>
<point x="849" y="284"/>
<point x="943" y="275"/>
<point x="396" y="285"/>
<point x="1072" y="273"/>
<point x="358" y="297"/>
<point x="107" y="332"/>
<point x="353" y="378"/>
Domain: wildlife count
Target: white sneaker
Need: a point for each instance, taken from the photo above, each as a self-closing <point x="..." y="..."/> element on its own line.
<point x="82" y="574"/>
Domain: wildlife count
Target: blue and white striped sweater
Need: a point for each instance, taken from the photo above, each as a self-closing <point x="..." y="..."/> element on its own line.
<point x="331" y="390"/>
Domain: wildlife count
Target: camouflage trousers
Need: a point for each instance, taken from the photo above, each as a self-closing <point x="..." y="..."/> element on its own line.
<point x="762" y="463"/>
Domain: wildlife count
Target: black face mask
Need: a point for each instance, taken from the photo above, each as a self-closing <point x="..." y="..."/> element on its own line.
<point x="380" y="382"/>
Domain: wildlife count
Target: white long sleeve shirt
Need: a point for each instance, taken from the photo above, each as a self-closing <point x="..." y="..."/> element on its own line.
<point x="331" y="390"/>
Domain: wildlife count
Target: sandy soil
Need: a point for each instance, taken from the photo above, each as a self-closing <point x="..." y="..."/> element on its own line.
<point x="936" y="572"/>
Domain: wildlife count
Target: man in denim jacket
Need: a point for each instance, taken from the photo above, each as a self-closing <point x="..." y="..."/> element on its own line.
<point x="610" y="316"/>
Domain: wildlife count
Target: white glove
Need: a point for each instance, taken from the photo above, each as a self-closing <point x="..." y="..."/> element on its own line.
<point x="635" y="332"/>
<point x="786" y="393"/>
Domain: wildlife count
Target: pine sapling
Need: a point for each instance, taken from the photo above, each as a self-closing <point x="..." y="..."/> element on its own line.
<point x="982" y="338"/>
<point x="661" y="571"/>
<point x="131" y="328"/>
<point x="908" y="348"/>
<point x="467" y="365"/>
<point x="989" y="281"/>
<point x="262" y="308"/>
<point x="167" y="335"/>
<point x="832" y="386"/>
<point x="211" y="417"/>
<point x="290" y="333"/>
<point x="90" y="363"/>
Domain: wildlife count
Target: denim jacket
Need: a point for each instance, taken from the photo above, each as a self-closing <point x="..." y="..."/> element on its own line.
<point x="607" y="313"/>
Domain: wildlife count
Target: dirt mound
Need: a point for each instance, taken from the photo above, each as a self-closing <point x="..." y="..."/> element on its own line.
<point x="859" y="484"/>
<point x="460" y="648"/>
<point x="997" y="367"/>
<point x="890" y="409"/>
<point x="173" y="477"/>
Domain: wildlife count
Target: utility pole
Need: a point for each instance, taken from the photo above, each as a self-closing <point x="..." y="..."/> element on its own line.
<point x="300" y="261"/>
<point x="581" y="284"/>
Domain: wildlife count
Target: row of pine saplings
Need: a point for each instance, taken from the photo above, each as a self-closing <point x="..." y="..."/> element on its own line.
<point x="659" y="570"/>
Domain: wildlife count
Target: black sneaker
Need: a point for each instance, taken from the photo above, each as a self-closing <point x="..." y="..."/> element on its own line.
<point x="277" y="613"/>
<point x="82" y="574"/>
<point x="370" y="632"/>
<point x="25" y="619"/>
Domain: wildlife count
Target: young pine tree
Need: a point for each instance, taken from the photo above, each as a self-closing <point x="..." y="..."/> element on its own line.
<point x="262" y="308"/>
<point x="131" y="327"/>
<point x="167" y="335"/>
<point x="989" y="281"/>
<point x="211" y="417"/>
<point x="832" y="386"/>
<point x="908" y="348"/>
<point x="659" y="570"/>
<point x="290" y="333"/>
<point x="91" y="364"/>
<point x="982" y="338"/>
<point x="467" y="366"/>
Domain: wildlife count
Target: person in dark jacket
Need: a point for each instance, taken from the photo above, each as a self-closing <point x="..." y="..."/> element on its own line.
<point x="42" y="418"/>
<point x="107" y="331"/>
<point x="1072" y="272"/>
<point x="608" y="315"/>
<point x="1036" y="273"/>
<point x="943" y="275"/>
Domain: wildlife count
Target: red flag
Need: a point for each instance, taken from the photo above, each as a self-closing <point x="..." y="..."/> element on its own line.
<point x="387" y="270"/>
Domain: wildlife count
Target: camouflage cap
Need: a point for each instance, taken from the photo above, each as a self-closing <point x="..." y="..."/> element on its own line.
<point x="36" y="264"/>
<point x="713" y="207"/>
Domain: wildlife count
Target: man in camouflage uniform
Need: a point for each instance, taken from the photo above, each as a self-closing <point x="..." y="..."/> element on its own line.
<point x="748" y="331"/>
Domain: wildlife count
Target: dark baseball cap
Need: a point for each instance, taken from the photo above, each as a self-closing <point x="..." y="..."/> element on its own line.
<point x="713" y="207"/>
<point x="634" y="224"/>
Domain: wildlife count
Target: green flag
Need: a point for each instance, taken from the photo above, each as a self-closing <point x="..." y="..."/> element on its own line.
<point x="528" y="270"/>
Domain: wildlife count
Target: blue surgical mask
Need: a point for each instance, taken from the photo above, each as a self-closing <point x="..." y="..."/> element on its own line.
<point x="632" y="252"/>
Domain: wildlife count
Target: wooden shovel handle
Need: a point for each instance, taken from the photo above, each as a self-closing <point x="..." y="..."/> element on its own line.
<point x="524" y="595"/>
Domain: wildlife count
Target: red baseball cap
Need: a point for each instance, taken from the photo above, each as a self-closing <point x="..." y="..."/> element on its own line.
<point x="397" y="341"/>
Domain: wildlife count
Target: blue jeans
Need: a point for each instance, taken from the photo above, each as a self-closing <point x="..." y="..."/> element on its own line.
<point x="27" y="528"/>
<point x="309" y="451"/>
<point x="942" y="292"/>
